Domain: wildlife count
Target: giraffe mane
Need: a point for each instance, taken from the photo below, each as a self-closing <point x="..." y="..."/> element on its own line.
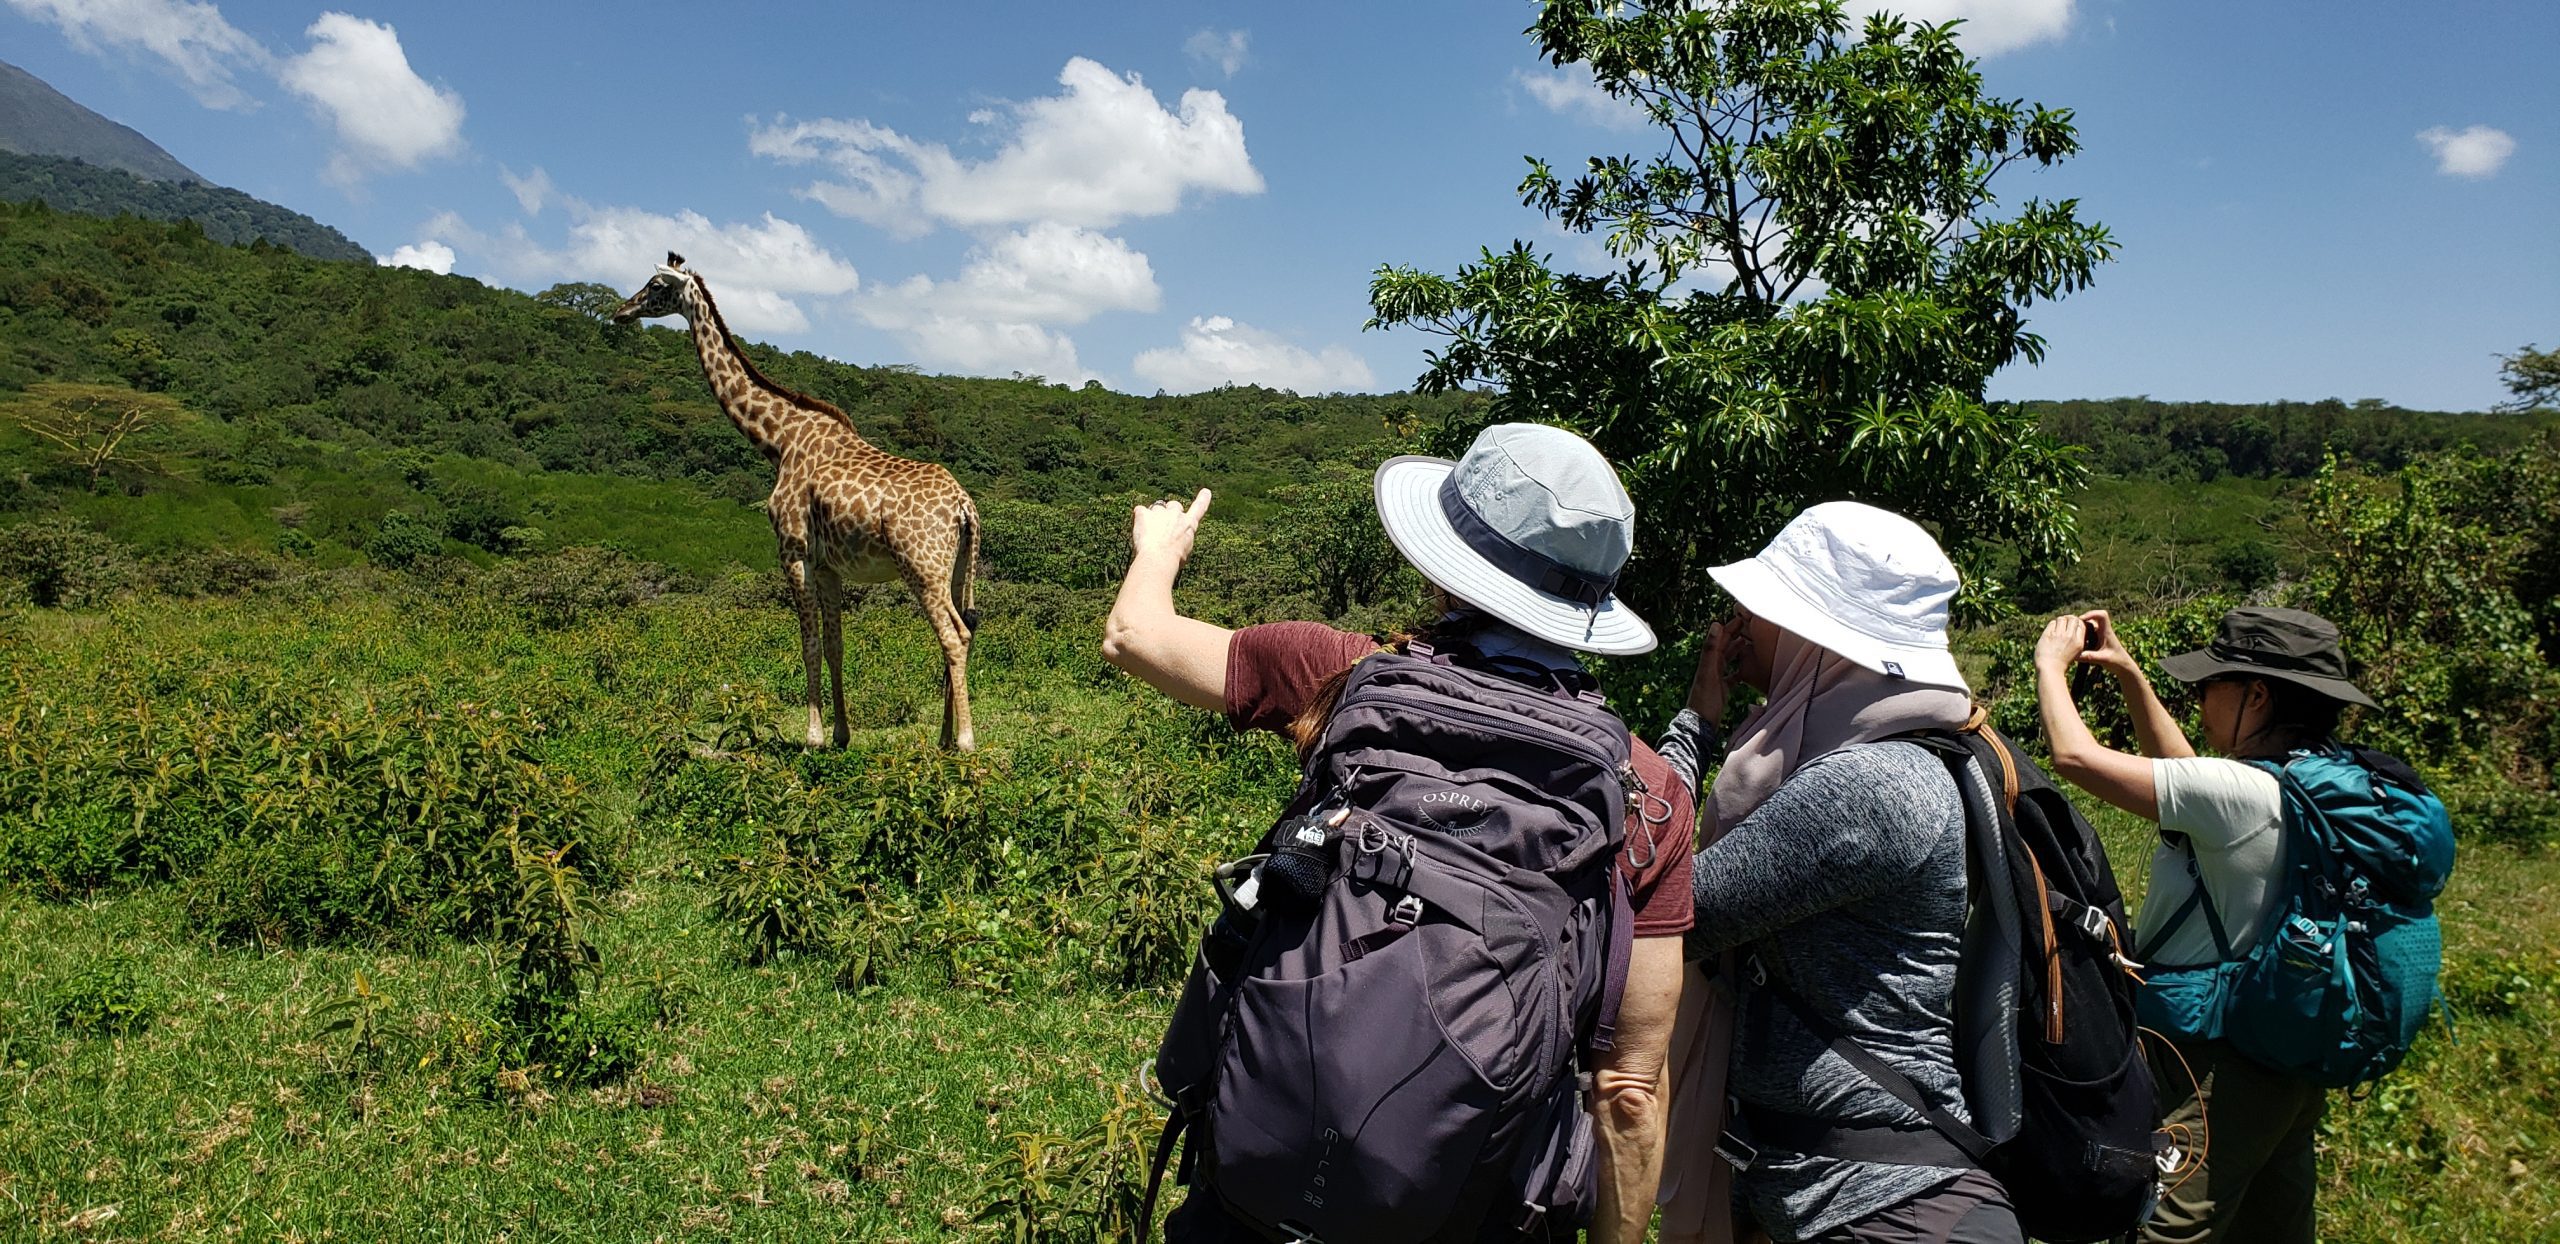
<point x="754" y="375"/>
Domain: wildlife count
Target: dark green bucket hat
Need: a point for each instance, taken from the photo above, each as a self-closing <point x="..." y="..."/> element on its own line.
<point x="2298" y="647"/>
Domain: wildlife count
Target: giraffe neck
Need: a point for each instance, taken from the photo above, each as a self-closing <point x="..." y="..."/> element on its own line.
<point x="768" y="415"/>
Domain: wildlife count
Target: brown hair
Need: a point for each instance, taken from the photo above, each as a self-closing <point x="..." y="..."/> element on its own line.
<point x="1449" y="613"/>
<point x="1308" y="726"/>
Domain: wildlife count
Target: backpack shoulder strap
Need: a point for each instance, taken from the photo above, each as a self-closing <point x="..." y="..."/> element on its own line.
<point x="1955" y="1142"/>
<point x="2196" y="898"/>
<point x="1570" y="684"/>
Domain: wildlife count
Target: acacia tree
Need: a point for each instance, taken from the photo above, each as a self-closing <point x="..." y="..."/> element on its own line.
<point x="1812" y="285"/>
<point x="98" y="426"/>
<point x="2532" y="378"/>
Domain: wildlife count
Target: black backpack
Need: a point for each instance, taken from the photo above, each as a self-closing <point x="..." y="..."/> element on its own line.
<point x="2064" y="1111"/>
<point x="1385" y="1037"/>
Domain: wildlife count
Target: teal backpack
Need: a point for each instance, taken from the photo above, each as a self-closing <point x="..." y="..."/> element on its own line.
<point x="2343" y="972"/>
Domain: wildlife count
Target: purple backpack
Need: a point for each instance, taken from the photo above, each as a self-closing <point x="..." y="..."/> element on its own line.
<point x="1387" y="1035"/>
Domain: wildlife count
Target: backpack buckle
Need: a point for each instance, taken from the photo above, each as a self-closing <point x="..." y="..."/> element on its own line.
<point x="1407" y="913"/>
<point x="1756" y="970"/>
<point x="1738" y="1152"/>
<point x="1383" y="858"/>
<point x="2093" y="921"/>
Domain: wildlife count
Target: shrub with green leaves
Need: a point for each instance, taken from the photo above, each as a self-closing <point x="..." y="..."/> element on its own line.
<point x="291" y="813"/>
<point x="104" y="1000"/>
<point x="63" y="562"/>
<point x="575" y="584"/>
<point x="401" y="539"/>
<point x="2422" y="581"/>
<point x="1087" y="1188"/>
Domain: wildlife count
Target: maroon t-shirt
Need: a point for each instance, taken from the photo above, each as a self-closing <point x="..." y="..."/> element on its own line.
<point x="1274" y="669"/>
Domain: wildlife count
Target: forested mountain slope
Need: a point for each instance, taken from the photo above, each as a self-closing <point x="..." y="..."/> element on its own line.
<point x="36" y="119"/>
<point x="226" y="215"/>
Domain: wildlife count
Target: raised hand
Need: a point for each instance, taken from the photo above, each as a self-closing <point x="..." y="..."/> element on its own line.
<point x="2102" y="647"/>
<point x="1712" y="685"/>
<point x="1166" y="528"/>
<point x="2064" y="640"/>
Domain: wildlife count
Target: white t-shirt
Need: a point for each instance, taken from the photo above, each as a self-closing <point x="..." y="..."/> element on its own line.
<point x="2232" y="816"/>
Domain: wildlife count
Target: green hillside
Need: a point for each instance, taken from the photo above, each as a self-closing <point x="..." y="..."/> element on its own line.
<point x="36" y="119"/>
<point x="225" y="215"/>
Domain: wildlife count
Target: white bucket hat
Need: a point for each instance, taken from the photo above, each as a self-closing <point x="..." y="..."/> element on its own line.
<point x="1530" y="526"/>
<point x="1866" y="583"/>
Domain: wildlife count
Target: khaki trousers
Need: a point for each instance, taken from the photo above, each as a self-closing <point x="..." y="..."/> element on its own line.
<point x="2257" y="1178"/>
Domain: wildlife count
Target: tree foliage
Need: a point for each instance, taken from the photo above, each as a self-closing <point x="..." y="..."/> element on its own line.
<point x="96" y="427"/>
<point x="2199" y="442"/>
<point x="2532" y="378"/>
<point x="224" y="214"/>
<point x="1814" y="282"/>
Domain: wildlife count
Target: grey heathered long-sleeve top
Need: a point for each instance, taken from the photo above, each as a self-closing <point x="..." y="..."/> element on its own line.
<point x="1849" y="882"/>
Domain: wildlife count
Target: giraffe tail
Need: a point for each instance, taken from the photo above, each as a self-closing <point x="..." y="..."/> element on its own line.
<point x="964" y="570"/>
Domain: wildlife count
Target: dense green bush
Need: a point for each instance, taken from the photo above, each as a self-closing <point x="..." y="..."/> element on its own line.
<point x="105" y="999"/>
<point x="1060" y="861"/>
<point x="63" y="562"/>
<point x="2423" y="583"/>
<point x="293" y="814"/>
<point x="577" y="584"/>
<point x="401" y="540"/>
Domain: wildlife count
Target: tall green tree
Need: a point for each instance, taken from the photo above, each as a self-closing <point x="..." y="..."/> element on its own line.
<point x="1813" y="282"/>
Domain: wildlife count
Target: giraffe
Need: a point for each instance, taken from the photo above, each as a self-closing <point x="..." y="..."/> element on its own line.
<point x="843" y="511"/>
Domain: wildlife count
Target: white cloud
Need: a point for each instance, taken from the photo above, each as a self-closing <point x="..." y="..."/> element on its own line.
<point x="1990" y="26"/>
<point x="2475" y="152"/>
<point x="1046" y="274"/>
<point x="985" y="348"/>
<point x="433" y="256"/>
<point x="531" y="190"/>
<point x="192" y="38"/>
<point x="1223" y="49"/>
<point x="1102" y="152"/>
<point x="996" y="316"/>
<point x="1216" y="350"/>
<point x="756" y="270"/>
<point x="1572" y="93"/>
<point x="387" y="116"/>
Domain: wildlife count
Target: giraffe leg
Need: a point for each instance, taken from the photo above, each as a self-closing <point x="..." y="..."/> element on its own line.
<point x="830" y="591"/>
<point x="956" y="730"/>
<point x="795" y="571"/>
<point x="933" y="593"/>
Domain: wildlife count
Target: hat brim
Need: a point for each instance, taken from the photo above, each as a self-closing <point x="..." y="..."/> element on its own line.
<point x="1408" y="493"/>
<point x="2201" y="664"/>
<point x="1756" y="587"/>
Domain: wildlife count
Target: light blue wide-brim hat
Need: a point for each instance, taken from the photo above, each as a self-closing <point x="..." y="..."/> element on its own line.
<point x="1531" y="526"/>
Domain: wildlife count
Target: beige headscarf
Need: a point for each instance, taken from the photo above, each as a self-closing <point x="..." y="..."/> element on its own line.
<point x="1819" y="703"/>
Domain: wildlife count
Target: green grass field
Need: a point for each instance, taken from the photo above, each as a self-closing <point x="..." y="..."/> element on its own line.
<point x="926" y="1097"/>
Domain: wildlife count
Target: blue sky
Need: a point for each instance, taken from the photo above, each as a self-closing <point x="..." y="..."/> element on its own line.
<point x="2338" y="200"/>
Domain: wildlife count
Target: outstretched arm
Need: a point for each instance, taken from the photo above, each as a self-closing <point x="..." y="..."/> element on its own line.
<point x="1185" y="658"/>
<point x="2113" y="776"/>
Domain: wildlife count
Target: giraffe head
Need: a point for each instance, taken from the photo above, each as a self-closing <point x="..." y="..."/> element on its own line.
<point x="669" y="292"/>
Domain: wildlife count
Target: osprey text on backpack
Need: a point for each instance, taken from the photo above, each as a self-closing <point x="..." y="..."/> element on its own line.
<point x="1384" y="1037"/>
<point x="2344" y="969"/>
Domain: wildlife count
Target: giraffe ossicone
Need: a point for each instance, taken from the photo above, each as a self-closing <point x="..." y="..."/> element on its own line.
<point x="843" y="510"/>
